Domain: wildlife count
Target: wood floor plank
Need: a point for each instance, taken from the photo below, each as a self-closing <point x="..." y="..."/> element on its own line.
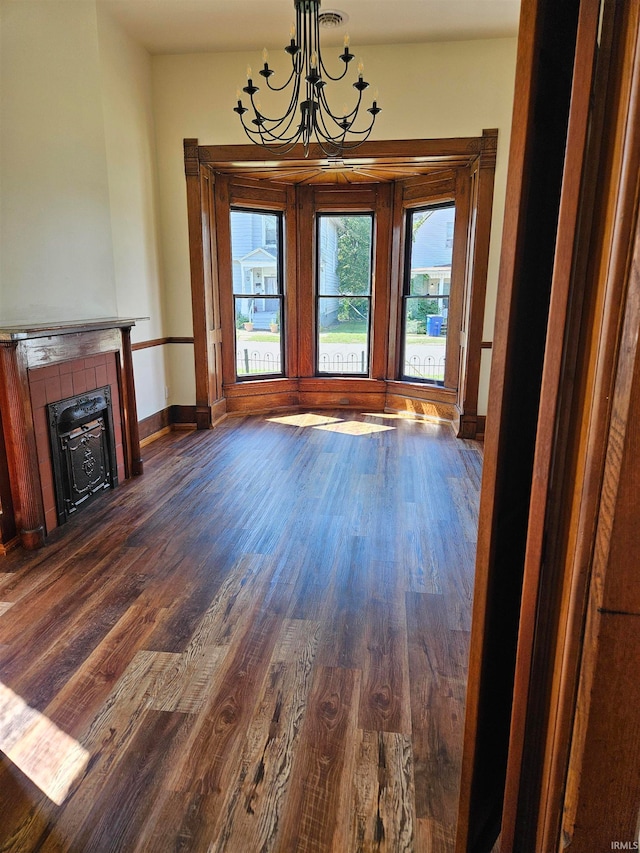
<point x="60" y="655"/>
<point x="76" y="705"/>
<point x="261" y="645"/>
<point x="437" y="665"/>
<point x="384" y="694"/>
<point x="206" y="767"/>
<point x="383" y="810"/>
<point x="108" y="740"/>
<point x="314" y="804"/>
<point x="253" y="808"/>
<point x="113" y="824"/>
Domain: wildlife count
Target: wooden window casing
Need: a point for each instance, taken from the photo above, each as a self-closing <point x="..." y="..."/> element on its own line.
<point x="458" y="170"/>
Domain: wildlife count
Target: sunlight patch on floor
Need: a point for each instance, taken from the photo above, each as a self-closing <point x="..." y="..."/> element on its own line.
<point x="354" y="428"/>
<point x="50" y="758"/>
<point x="5" y="605"/>
<point x="303" y="420"/>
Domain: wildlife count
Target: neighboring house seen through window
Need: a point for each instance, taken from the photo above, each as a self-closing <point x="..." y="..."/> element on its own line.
<point x="256" y="250"/>
<point x="426" y="291"/>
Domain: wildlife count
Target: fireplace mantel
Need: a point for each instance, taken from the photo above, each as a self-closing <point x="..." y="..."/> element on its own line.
<point x="11" y="333"/>
<point x="23" y="350"/>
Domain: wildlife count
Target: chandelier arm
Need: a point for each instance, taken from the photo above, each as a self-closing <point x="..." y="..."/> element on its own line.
<point x="279" y="128"/>
<point x="330" y="76"/>
<point x="350" y="146"/>
<point x="343" y="122"/>
<point x="322" y="123"/>
<point x="365" y="132"/>
<point x="315" y="23"/>
<point x="258" y="139"/>
<point x="279" y="143"/>
<point x="287" y="119"/>
<point x="266" y="133"/>
<point x="274" y="133"/>
<point x="284" y="85"/>
<point x="336" y="116"/>
<point x="275" y="148"/>
<point x="349" y="130"/>
<point x="289" y="112"/>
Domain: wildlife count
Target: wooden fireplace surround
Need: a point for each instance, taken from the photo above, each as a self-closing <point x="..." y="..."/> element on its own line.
<point x="25" y="349"/>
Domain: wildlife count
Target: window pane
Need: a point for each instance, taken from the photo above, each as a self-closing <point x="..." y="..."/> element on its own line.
<point x="343" y="344"/>
<point x="427" y="286"/>
<point x="256" y="267"/>
<point x="258" y="350"/>
<point x="425" y="339"/>
<point x="345" y="254"/>
<point x="257" y="288"/>
<point x="344" y="287"/>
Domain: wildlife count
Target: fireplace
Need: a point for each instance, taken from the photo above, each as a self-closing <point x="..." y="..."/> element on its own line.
<point x="83" y="449"/>
<point x="69" y="426"/>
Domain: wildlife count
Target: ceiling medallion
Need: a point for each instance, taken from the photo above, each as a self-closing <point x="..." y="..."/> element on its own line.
<point x="308" y="117"/>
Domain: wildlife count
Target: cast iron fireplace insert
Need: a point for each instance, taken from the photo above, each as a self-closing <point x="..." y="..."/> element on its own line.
<point x="83" y="449"/>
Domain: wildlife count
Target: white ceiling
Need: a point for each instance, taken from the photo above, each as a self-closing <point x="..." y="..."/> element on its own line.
<point x="194" y="26"/>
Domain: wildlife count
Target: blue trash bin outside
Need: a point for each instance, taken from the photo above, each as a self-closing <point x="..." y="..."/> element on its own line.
<point x="434" y="325"/>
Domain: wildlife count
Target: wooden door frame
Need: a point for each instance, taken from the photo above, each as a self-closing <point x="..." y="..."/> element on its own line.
<point x="568" y="757"/>
<point x="536" y="159"/>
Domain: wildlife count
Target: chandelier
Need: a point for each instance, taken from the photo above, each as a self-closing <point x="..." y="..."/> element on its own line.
<point x="308" y="116"/>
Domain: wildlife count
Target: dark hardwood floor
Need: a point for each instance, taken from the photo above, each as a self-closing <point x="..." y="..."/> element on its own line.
<point x="260" y="645"/>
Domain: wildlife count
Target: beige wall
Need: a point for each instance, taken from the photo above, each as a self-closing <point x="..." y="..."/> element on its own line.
<point x="125" y="70"/>
<point x="78" y="177"/>
<point x="426" y="90"/>
<point x="56" y="261"/>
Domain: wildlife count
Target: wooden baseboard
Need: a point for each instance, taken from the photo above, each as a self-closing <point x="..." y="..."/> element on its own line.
<point x="153" y="424"/>
<point x="471" y="426"/>
<point x="5" y="547"/>
<point x="154" y="436"/>
<point x="166" y="420"/>
<point x="182" y="415"/>
<point x="440" y="412"/>
<point x="480" y="426"/>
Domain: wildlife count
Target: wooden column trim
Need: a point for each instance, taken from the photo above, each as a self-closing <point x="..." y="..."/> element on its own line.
<point x="306" y="240"/>
<point x="20" y="445"/>
<point x="292" y="315"/>
<point x="225" y="277"/>
<point x="133" y="459"/>
<point x="604" y="743"/>
<point x="200" y="304"/>
<point x="480" y="219"/>
<point x="381" y="280"/>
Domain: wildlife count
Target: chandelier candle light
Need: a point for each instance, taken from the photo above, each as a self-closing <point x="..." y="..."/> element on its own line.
<point x="308" y="116"/>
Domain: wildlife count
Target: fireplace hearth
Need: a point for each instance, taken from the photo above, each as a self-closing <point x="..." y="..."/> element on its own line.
<point x="83" y="451"/>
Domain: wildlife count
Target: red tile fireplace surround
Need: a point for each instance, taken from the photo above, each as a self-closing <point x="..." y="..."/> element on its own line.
<point x="45" y="364"/>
